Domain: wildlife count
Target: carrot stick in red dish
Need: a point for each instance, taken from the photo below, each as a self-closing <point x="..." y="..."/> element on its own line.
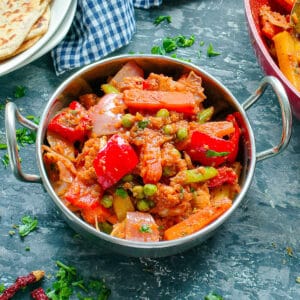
<point x="196" y="221"/>
<point x="155" y="100"/>
<point x="22" y="282"/>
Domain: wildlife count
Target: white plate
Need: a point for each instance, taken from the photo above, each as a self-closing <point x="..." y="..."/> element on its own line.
<point x="59" y="9"/>
<point x="58" y="36"/>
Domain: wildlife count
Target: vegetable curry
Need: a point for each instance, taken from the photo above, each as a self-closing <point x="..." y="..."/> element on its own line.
<point x="281" y="40"/>
<point x="143" y="158"/>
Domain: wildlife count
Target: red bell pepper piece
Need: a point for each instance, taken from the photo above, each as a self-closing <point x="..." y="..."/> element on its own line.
<point x="114" y="161"/>
<point x="82" y="195"/>
<point x="225" y="175"/>
<point x="213" y="151"/>
<point x="73" y="123"/>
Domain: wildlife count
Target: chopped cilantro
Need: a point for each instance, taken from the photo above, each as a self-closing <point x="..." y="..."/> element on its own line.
<point x="213" y="296"/>
<point x="34" y="119"/>
<point x="25" y="136"/>
<point x="68" y="282"/>
<point x="121" y="193"/>
<point x="201" y="43"/>
<point x="19" y="91"/>
<point x="212" y="153"/>
<point x="160" y="19"/>
<point x="27" y="248"/>
<point x="3" y="146"/>
<point x="143" y="124"/>
<point x="5" y="160"/>
<point x="211" y="52"/>
<point x="145" y="228"/>
<point x="28" y="225"/>
<point x="2" y="288"/>
<point x="2" y="106"/>
<point x="170" y="44"/>
<point x="174" y="55"/>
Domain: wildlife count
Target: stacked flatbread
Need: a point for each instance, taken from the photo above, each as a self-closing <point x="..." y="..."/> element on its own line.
<point x="22" y="24"/>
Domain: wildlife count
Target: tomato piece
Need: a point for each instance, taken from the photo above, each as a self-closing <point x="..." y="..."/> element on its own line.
<point x="225" y="175"/>
<point x="155" y="100"/>
<point x="73" y="123"/>
<point x="99" y="213"/>
<point x="82" y="195"/>
<point x="114" y="161"/>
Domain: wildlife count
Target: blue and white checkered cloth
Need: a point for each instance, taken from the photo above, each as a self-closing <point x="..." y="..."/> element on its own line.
<point x="99" y="28"/>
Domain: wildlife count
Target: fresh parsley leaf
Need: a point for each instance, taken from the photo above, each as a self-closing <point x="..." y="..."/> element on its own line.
<point x="183" y="42"/>
<point x="28" y="225"/>
<point x="3" y="146"/>
<point x="2" y="288"/>
<point x="2" y="106"/>
<point x="213" y="296"/>
<point x="169" y="44"/>
<point x="201" y="44"/>
<point x="25" y="136"/>
<point x="19" y="91"/>
<point x="160" y="19"/>
<point x="27" y="248"/>
<point x="34" y="119"/>
<point x="212" y="153"/>
<point x="143" y="124"/>
<point x="158" y="50"/>
<point x="5" y="160"/>
<point x="121" y="193"/>
<point x="145" y="228"/>
<point x="211" y="52"/>
<point x="174" y="55"/>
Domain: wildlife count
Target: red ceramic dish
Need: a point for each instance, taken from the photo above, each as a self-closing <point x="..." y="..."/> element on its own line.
<point x="266" y="61"/>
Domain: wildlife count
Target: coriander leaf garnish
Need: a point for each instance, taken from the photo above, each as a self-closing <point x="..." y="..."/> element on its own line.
<point x="28" y="225"/>
<point x="158" y="50"/>
<point x="143" y="124"/>
<point x="19" y="91"/>
<point x="160" y="19"/>
<point x="212" y="153"/>
<point x="213" y="296"/>
<point x="121" y="193"/>
<point x="145" y="228"/>
<point x="5" y="160"/>
<point x="2" y="288"/>
<point x="3" y="146"/>
<point x="25" y="136"/>
<point x="211" y="52"/>
<point x="34" y="119"/>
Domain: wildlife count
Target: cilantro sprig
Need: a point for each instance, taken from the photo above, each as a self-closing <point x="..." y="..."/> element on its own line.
<point x="28" y="224"/>
<point x="19" y="91"/>
<point x="161" y="19"/>
<point x="68" y="283"/>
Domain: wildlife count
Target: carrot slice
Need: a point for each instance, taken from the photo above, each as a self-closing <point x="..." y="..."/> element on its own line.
<point x="99" y="213"/>
<point x="154" y="100"/>
<point x="196" y="221"/>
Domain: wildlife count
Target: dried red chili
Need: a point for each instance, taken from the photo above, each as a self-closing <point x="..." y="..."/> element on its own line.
<point x="39" y="294"/>
<point x="21" y="282"/>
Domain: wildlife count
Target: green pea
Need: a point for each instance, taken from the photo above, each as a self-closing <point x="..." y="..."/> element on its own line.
<point x="163" y="113"/>
<point x="107" y="201"/>
<point x="138" y="192"/>
<point x="182" y="134"/>
<point x="143" y="205"/>
<point x="127" y="120"/>
<point x="150" y="189"/>
<point x="168" y="129"/>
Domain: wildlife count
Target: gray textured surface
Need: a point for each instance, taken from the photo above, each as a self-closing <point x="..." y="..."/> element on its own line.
<point x="246" y="258"/>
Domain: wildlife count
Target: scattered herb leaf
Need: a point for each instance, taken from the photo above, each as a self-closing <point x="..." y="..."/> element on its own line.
<point x="27" y="248"/>
<point x="19" y="91"/>
<point x="213" y="296"/>
<point x="121" y="193"/>
<point x="143" y="124"/>
<point x="298" y="279"/>
<point x="11" y="232"/>
<point x="25" y="136"/>
<point x="28" y="225"/>
<point x="211" y="52"/>
<point x="3" y="146"/>
<point x="5" y="160"/>
<point x="201" y="44"/>
<point x="160" y="19"/>
<point x="2" y="106"/>
<point x="69" y="282"/>
<point x="34" y="119"/>
<point x="2" y="288"/>
<point x="212" y="153"/>
<point x="145" y="228"/>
